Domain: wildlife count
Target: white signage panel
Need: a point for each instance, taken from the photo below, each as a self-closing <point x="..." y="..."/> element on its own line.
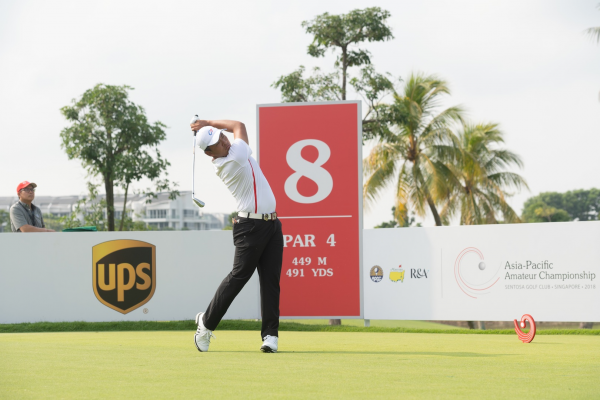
<point x="485" y="273"/>
<point x="117" y="276"/>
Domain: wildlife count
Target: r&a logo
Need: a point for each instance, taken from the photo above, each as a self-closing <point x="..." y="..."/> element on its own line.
<point x="124" y="273"/>
<point x="418" y="273"/>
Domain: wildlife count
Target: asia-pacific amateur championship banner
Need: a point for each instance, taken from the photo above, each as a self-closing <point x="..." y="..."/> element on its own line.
<point x="485" y="273"/>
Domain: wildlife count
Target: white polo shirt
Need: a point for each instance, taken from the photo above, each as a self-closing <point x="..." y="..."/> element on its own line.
<point x="244" y="179"/>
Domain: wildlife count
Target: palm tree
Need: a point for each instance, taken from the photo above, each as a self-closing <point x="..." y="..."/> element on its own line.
<point x="411" y="152"/>
<point x="594" y="32"/>
<point x="482" y="177"/>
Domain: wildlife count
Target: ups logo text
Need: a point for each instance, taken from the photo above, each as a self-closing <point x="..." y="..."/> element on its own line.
<point x="124" y="273"/>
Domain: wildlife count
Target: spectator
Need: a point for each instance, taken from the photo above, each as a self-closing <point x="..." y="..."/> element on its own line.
<point x="24" y="216"/>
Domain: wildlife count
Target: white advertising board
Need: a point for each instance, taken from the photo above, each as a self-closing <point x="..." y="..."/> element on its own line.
<point x="159" y="275"/>
<point x="483" y="273"/>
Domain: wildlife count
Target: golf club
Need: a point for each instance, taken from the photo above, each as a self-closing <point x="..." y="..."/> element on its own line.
<point x="198" y="202"/>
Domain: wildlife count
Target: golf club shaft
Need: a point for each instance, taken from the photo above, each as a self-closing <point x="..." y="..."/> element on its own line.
<point x="196" y="201"/>
<point x="194" y="169"/>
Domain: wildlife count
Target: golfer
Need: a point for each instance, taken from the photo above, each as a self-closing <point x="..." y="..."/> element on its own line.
<point x="256" y="231"/>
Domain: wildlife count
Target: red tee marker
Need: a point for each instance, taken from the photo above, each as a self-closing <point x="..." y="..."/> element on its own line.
<point x="525" y="337"/>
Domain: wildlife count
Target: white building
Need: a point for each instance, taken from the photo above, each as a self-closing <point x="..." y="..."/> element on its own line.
<point x="161" y="213"/>
<point x="178" y="214"/>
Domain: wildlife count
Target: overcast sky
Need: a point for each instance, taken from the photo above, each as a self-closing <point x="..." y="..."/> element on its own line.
<point x="524" y="64"/>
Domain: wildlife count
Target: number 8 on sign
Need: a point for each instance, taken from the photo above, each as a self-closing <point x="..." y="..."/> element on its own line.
<point x="312" y="171"/>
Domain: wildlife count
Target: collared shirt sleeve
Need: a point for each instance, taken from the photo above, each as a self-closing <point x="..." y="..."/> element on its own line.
<point x="17" y="218"/>
<point x="240" y="151"/>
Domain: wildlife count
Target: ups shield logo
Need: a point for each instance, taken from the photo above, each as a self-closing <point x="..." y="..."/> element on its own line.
<point x="124" y="273"/>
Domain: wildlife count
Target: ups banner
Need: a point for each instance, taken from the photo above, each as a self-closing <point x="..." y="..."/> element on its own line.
<point x="121" y="266"/>
<point x="483" y="273"/>
<point x="112" y="276"/>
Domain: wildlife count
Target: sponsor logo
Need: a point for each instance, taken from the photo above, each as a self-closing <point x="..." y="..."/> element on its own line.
<point x="124" y="273"/>
<point x="210" y="132"/>
<point x="472" y="275"/>
<point x="525" y="337"/>
<point x="397" y="274"/>
<point x="418" y="273"/>
<point x="376" y="273"/>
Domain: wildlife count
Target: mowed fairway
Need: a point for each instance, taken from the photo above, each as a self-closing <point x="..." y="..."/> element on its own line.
<point x="309" y="365"/>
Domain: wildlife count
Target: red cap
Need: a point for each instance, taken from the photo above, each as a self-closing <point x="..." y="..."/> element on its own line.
<point x="24" y="184"/>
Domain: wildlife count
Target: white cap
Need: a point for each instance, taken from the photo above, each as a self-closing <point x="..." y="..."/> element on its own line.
<point x="208" y="136"/>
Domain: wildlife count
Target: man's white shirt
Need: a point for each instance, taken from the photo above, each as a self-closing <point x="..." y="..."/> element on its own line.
<point x="244" y="179"/>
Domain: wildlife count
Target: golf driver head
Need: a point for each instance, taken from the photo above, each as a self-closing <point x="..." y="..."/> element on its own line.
<point x="199" y="203"/>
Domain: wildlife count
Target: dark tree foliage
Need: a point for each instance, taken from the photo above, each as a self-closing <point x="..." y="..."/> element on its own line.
<point x="229" y="222"/>
<point x="594" y="32"/>
<point x="113" y="139"/>
<point x="342" y="34"/>
<point x="53" y="222"/>
<point x="576" y="205"/>
<point x="4" y="221"/>
<point x="405" y="222"/>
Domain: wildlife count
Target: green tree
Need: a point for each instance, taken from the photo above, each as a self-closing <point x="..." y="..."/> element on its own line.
<point x="480" y="177"/>
<point x="295" y="88"/>
<point x="135" y="168"/>
<point x="4" y="219"/>
<point x="420" y="139"/>
<point x="343" y="34"/>
<point x="113" y="139"/>
<point x="128" y="224"/>
<point x="89" y="211"/>
<point x="594" y="33"/>
<point x="582" y="205"/>
<point x="407" y="221"/>
<point x="53" y="222"/>
<point x="575" y="205"/>
<point x="229" y="222"/>
<point x="551" y="214"/>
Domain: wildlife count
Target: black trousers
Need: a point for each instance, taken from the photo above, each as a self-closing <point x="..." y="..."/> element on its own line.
<point x="258" y="244"/>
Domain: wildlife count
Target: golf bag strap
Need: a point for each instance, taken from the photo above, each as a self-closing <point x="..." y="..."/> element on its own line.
<point x="266" y="217"/>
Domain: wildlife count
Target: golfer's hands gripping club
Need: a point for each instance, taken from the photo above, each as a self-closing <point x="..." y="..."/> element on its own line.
<point x="196" y="124"/>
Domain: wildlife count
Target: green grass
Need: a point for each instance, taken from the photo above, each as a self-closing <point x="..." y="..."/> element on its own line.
<point x="285" y="325"/>
<point x="362" y="365"/>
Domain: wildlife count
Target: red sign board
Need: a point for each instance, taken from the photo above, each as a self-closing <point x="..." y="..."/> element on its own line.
<point x="311" y="155"/>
